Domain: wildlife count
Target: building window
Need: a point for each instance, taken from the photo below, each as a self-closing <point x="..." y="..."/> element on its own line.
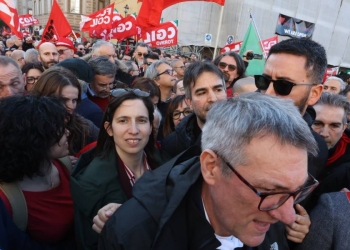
<point x="75" y="6"/>
<point x="40" y="8"/>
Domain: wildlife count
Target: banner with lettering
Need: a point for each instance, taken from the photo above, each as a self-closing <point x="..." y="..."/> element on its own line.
<point x="164" y="35"/>
<point x="124" y="28"/>
<point x="267" y="43"/>
<point x="103" y="19"/>
<point x="27" y="20"/>
<point x="293" y="27"/>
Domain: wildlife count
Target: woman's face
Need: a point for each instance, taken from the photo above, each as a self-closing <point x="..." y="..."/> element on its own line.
<point x="183" y="107"/>
<point x="31" y="78"/>
<point x="130" y="128"/>
<point x="70" y="95"/>
<point x="60" y="149"/>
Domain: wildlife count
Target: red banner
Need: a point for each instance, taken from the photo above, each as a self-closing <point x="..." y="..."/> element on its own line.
<point x="267" y="44"/>
<point x="27" y="20"/>
<point x="164" y="35"/>
<point x="124" y="28"/>
<point x="101" y="19"/>
<point x="9" y="15"/>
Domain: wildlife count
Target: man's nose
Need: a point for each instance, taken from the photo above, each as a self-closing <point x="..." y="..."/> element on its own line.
<point x="285" y="213"/>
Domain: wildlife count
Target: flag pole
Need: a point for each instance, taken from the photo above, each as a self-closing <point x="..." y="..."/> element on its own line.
<point x="218" y="31"/>
<point x="257" y="32"/>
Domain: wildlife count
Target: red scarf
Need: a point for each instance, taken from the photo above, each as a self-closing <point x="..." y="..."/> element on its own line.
<point x="340" y="150"/>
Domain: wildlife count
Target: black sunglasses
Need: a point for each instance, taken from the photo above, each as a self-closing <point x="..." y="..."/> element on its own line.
<point x="120" y="92"/>
<point x="281" y="87"/>
<point x="169" y="72"/>
<point x="61" y="51"/>
<point x="223" y="65"/>
<point x="141" y="54"/>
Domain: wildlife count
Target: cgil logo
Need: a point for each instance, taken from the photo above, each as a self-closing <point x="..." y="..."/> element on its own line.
<point x="102" y="18"/>
<point x="24" y="20"/>
<point x="123" y="27"/>
<point x="160" y="34"/>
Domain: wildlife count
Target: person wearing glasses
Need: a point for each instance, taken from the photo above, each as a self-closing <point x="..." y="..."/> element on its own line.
<point x="179" y="68"/>
<point x="234" y="194"/>
<point x="48" y="55"/>
<point x="294" y="70"/>
<point x="65" y="48"/>
<point x="11" y="78"/>
<point x="148" y="60"/>
<point x="140" y="52"/>
<point x="125" y="151"/>
<point x="80" y="47"/>
<point x="32" y="73"/>
<point x="233" y="67"/>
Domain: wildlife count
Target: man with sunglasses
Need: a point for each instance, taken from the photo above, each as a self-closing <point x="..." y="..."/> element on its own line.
<point x="294" y="70"/>
<point x="149" y="59"/>
<point x="231" y="196"/>
<point x="141" y="50"/>
<point x="65" y="48"/>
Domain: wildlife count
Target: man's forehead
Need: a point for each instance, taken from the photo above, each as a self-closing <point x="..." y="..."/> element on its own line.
<point x="163" y="67"/>
<point x="332" y="83"/>
<point x="327" y="112"/>
<point x="141" y="49"/>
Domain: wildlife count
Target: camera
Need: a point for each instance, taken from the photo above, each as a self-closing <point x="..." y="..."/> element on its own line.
<point x="251" y="55"/>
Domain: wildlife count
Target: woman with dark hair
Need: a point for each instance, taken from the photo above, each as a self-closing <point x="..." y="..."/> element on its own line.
<point x="33" y="71"/>
<point x="60" y="82"/>
<point x="177" y="110"/>
<point x="125" y="150"/>
<point x="33" y="135"/>
<point x="147" y="85"/>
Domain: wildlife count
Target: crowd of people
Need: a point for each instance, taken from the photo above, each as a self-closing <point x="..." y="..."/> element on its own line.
<point x="144" y="150"/>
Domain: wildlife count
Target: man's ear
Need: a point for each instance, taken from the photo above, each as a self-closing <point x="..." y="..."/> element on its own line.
<point x="210" y="167"/>
<point x="189" y="102"/>
<point x="108" y="128"/>
<point x="315" y="94"/>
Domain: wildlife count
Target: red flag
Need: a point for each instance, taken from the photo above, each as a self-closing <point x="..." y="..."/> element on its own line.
<point x="101" y="19"/>
<point x="57" y="25"/>
<point x="8" y="13"/>
<point x="27" y="20"/>
<point x="164" y="35"/>
<point x="151" y="10"/>
<point x="124" y="28"/>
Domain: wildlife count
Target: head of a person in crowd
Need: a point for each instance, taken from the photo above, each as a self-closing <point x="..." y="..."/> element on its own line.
<point x="158" y="52"/>
<point x="204" y="85"/>
<point x="31" y="56"/>
<point x="61" y="83"/>
<point x="80" y="68"/>
<point x="104" y="75"/>
<point x="244" y="85"/>
<point x="294" y="70"/>
<point x="18" y="56"/>
<point x="18" y="41"/>
<point x="65" y="48"/>
<point x="80" y="47"/>
<point x="147" y="85"/>
<point x="48" y="55"/>
<point x="103" y="48"/>
<point x="176" y="111"/>
<point x="331" y="117"/>
<point x="11" y="78"/>
<point x="334" y="85"/>
<point x="163" y="75"/>
<point x="179" y="68"/>
<point x="141" y="50"/>
<point x="133" y="70"/>
<point x="232" y="65"/>
<point x="130" y="138"/>
<point x="237" y="166"/>
<point x="126" y="58"/>
<point x="149" y="59"/>
<point x="33" y="139"/>
<point x="32" y="73"/>
<point x="167" y="57"/>
<point x="183" y="59"/>
<point x="178" y="88"/>
<point x="10" y="41"/>
<point x="193" y="57"/>
<point x="8" y="52"/>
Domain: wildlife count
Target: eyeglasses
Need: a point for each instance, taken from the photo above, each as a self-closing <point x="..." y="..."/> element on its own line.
<point x="142" y="54"/>
<point x="180" y="67"/>
<point x="106" y="86"/>
<point x="223" y="65"/>
<point x="185" y="112"/>
<point x="281" y="87"/>
<point x="32" y="80"/>
<point x="120" y="92"/>
<point x="20" y="59"/>
<point x="169" y="72"/>
<point x="61" y="51"/>
<point x="271" y="201"/>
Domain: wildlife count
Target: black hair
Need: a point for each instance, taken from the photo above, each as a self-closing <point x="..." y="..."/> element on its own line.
<point x="239" y="63"/>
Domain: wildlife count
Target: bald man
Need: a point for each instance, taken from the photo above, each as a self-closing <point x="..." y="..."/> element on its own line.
<point x="244" y="85"/>
<point x="48" y="55"/>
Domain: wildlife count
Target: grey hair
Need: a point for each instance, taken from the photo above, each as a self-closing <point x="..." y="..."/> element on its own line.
<point x="342" y="83"/>
<point x="5" y="60"/>
<point x="335" y="101"/>
<point x="17" y="54"/>
<point x="84" y="86"/>
<point x="96" y="46"/>
<point x="31" y="56"/>
<point x="232" y="124"/>
<point x="100" y="65"/>
<point x="173" y="62"/>
<point x="141" y="44"/>
<point x="129" y="66"/>
<point x="152" y="71"/>
<point x="157" y="113"/>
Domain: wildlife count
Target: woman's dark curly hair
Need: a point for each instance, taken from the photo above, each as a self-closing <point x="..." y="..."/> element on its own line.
<point x="168" y="125"/>
<point x="105" y="143"/>
<point x="51" y="83"/>
<point x="29" y="127"/>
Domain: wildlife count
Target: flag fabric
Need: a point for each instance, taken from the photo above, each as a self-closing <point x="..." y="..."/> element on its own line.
<point x="124" y="28"/>
<point x="27" y="20"/>
<point x="151" y="10"/>
<point x="101" y="19"/>
<point x="9" y="14"/>
<point x="57" y="25"/>
<point x="251" y="42"/>
<point x="164" y="35"/>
